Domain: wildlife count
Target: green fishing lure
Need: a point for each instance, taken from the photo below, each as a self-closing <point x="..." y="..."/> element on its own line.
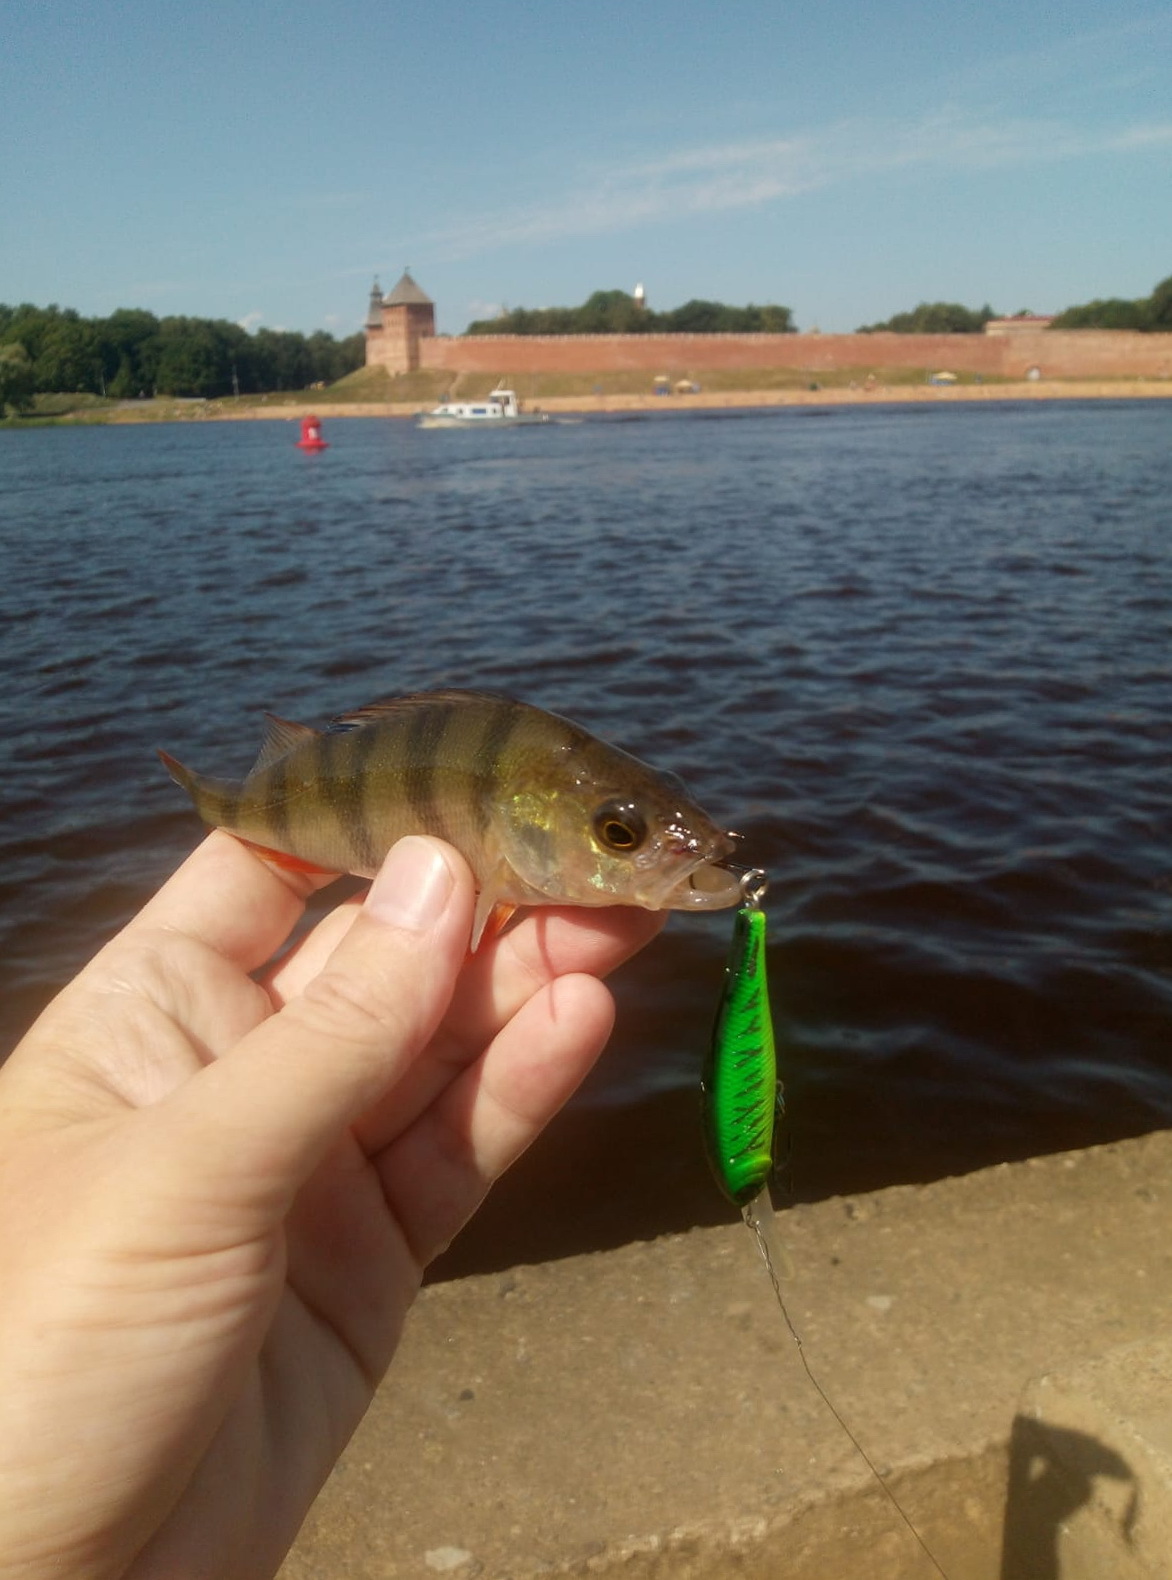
<point x="741" y="1105"/>
<point x="741" y="1095"/>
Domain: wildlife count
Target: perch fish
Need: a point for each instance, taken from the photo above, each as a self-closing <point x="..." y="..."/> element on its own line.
<point x="543" y="813"/>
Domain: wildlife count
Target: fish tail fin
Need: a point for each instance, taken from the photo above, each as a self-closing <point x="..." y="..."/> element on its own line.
<point x="182" y="776"/>
<point x="214" y="798"/>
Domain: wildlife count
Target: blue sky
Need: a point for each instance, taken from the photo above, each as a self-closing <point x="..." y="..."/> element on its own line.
<point x="260" y="161"/>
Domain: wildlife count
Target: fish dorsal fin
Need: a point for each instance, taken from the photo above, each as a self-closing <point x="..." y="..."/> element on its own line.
<point x="387" y="708"/>
<point x="280" y="737"/>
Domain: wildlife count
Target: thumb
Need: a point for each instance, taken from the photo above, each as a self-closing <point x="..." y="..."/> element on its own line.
<point x="265" y="1114"/>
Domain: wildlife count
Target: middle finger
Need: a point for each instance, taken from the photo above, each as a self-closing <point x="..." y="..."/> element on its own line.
<point x="495" y="983"/>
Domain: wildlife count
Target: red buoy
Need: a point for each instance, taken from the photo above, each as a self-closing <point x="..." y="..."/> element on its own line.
<point x="311" y="438"/>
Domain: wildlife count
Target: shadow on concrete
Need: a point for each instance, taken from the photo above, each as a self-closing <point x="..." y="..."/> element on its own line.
<point x="597" y="1179"/>
<point x="1051" y="1475"/>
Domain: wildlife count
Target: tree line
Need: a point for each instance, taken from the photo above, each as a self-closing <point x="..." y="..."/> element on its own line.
<point x="933" y="318"/>
<point x="131" y="354"/>
<point x="617" y="313"/>
<point x="1150" y="314"/>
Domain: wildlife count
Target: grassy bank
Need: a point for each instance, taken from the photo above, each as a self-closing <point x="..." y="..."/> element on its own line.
<point x="373" y="392"/>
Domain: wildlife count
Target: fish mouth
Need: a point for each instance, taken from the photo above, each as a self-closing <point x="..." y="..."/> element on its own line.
<point x="705" y="883"/>
<point x="708" y="887"/>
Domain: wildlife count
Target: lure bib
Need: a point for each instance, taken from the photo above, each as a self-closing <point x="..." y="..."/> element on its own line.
<point x="740" y="1091"/>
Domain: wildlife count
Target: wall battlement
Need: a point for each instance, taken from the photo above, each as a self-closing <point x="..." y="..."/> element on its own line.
<point x="1069" y="354"/>
<point x="400" y="336"/>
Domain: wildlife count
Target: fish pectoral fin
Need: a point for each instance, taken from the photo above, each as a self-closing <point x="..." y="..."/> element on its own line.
<point x="282" y="858"/>
<point x="492" y="913"/>
<point x="280" y="737"/>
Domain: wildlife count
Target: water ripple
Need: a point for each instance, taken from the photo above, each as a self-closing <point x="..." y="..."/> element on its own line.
<point x="917" y="656"/>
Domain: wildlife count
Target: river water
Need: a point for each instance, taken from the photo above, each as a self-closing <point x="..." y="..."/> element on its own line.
<point x="919" y="655"/>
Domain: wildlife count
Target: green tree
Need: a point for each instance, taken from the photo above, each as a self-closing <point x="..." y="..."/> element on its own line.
<point x="283" y="360"/>
<point x="28" y="325"/>
<point x="190" y="359"/>
<point x="351" y="354"/>
<point x="776" y="321"/>
<point x="1146" y="313"/>
<point x="1113" y="312"/>
<point x="608" y="313"/>
<point x="197" y="356"/>
<point x="331" y="359"/>
<point x="1159" y="305"/>
<point x="69" y="357"/>
<point x="934" y="318"/>
<point x="133" y="353"/>
<point x="17" y="383"/>
<point x="617" y="313"/>
<point x="128" y="344"/>
<point x="696" y="317"/>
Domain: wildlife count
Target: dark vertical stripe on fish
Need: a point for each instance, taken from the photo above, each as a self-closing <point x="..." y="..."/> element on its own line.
<point x="360" y="828"/>
<point x="338" y="789"/>
<point x="490" y="754"/>
<point x="320" y="776"/>
<point x="424" y="735"/>
<point x="323" y="760"/>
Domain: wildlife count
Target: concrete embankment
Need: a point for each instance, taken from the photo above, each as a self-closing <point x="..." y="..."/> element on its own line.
<point x="995" y="1342"/>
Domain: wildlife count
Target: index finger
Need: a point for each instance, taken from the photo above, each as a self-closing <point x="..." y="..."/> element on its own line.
<point x="230" y="898"/>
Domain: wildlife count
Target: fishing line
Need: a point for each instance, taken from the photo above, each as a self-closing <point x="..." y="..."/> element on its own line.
<point x="752" y="1216"/>
<point x="742" y="1100"/>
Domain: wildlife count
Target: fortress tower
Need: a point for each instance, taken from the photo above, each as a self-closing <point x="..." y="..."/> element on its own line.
<point x="396" y="323"/>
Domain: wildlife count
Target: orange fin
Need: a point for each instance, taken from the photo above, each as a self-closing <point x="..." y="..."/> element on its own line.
<point x="496" y="919"/>
<point x="282" y="858"/>
<point x="499" y="918"/>
<point x="492" y="912"/>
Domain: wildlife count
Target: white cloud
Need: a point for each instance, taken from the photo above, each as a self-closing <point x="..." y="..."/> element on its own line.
<point x="250" y="321"/>
<point x="1143" y="137"/>
<point x="739" y="175"/>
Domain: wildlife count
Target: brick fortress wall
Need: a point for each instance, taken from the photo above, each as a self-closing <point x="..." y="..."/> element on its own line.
<point x="400" y="336"/>
<point x="1087" y="353"/>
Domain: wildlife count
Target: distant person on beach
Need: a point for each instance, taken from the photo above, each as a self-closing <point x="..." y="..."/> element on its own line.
<point x="221" y="1180"/>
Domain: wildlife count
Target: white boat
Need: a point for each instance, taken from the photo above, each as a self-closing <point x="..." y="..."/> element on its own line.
<point x="501" y="409"/>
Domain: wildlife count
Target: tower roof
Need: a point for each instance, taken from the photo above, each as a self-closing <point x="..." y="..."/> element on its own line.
<point x="407" y="294"/>
<point x="374" y="316"/>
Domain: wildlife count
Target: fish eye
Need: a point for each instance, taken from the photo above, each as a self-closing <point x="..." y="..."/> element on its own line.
<point x="619" y="825"/>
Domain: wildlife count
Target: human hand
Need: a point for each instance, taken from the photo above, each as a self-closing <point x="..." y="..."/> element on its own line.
<point x="218" y="1194"/>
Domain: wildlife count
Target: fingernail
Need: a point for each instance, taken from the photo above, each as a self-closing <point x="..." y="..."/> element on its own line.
<point x="412" y="887"/>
